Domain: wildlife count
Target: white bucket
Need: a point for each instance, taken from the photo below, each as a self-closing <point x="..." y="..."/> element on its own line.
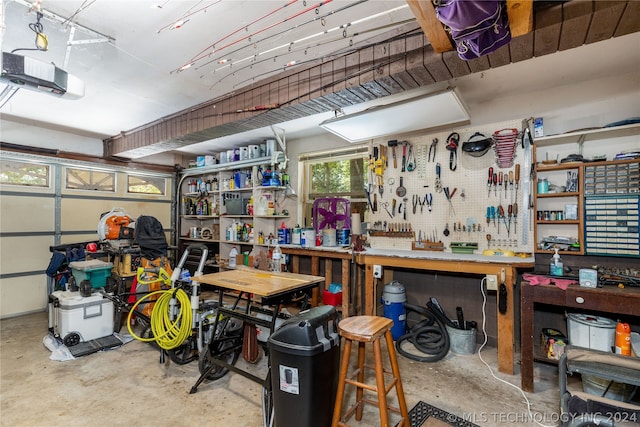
<point x="244" y="153"/>
<point x="295" y="236"/>
<point x="209" y="160"/>
<point x="230" y="156"/>
<point x="254" y="151"/>
<point x="308" y="238"/>
<point x="223" y="157"/>
<point x="271" y="146"/>
<point x="590" y="331"/>
<point x="329" y="237"/>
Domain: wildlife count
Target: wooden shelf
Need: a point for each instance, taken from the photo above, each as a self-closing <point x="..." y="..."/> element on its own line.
<point x="588" y="135"/>
<point x="563" y="194"/>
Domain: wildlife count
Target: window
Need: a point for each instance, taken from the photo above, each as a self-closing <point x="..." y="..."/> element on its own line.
<point x="336" y="174"/>
<point x="27" y="174"/>
<point x="146" y="185"/>
<point x="88" y="179"/>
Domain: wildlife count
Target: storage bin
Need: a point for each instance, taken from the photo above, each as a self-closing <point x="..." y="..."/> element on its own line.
<point x="94" y="270"/>
<point x="590" y="331"/>
<point x="330" y="298"/>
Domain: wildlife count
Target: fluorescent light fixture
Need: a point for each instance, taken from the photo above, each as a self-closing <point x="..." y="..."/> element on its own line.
<point x="425" y="112"/>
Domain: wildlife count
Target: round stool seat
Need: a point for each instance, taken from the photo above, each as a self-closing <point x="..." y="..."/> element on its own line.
<point x="364" y="328"/>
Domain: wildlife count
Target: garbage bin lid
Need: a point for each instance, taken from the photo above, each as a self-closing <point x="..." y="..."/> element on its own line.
<point x="310" y="332"/>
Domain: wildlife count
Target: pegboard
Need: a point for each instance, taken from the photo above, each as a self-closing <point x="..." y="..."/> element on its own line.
<point x="468" y="204"/>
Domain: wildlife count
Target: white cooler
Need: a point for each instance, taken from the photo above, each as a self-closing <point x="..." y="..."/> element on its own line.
<point x="75" y="318"/>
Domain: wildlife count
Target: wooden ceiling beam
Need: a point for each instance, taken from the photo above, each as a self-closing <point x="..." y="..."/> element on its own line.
<point x="426" y="16"/>
<point x="520" y="17"/>
<point x="520" y="21"/>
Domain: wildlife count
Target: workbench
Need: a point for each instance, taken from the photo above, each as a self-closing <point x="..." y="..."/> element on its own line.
<point x="453" y="263"/>
<point x="610" y="299"/>
<point x="328" y="255"/>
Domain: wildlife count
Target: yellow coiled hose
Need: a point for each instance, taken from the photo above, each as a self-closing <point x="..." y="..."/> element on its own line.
<point x="168" y="333"/>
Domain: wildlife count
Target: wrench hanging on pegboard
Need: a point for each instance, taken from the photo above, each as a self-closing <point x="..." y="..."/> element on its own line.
<point x="422" y="162"/>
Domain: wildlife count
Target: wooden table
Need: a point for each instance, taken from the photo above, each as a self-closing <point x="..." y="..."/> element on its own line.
<point x="266" y="284"/>
<point x="273" y="288"/>
<point x="454" y="263"/>
<point x="609" y="299"/>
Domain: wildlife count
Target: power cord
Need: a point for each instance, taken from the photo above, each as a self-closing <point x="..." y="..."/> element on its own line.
<point x="41" y="41"/>
<point x="484" y="331"/>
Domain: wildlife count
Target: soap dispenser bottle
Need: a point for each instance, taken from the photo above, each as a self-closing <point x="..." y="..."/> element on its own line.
<point x="556" y="268"/>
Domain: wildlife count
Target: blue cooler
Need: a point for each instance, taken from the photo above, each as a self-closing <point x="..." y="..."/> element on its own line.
<point x="393" y="299"/>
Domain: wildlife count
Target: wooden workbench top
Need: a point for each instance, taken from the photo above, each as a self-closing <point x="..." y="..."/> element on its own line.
<point x="259" y="282"/>
<point x="448" y="256"/>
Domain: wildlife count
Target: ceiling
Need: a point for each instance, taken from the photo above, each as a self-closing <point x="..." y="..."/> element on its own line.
<point x="129" y="53"/>
<point x="144" y="60"/>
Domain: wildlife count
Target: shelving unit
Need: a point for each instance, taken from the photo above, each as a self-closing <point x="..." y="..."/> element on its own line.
<point x="548" y="203"/>
<point x="222" y="217"/>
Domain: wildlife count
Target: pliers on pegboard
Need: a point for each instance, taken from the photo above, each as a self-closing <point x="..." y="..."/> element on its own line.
<point x="432" y="147"/>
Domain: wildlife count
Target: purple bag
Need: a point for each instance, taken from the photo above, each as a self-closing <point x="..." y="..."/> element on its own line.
<point x="476" y="27"/>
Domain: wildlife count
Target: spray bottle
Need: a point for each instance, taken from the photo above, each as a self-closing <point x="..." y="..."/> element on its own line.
<point x="556" y="268"/>
<point x="623" y="339"/>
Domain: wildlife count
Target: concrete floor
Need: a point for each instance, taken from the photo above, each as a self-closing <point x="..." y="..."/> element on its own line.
<point x="128" y="386"/>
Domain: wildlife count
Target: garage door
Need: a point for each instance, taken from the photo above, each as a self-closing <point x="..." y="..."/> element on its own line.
<point x="47" y="202"/>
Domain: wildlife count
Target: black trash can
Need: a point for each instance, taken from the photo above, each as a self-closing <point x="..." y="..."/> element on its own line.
<point x="305" y="360"/>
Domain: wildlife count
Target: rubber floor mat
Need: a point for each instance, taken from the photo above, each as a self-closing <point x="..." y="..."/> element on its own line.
<point x="93" y="346"/>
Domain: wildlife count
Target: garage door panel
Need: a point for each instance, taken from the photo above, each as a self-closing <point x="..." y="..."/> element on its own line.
<point x="84" y="214"/>
<point x="24" y="213"/>
<point x="24" y="253"/>
<point x="19" y="295"/>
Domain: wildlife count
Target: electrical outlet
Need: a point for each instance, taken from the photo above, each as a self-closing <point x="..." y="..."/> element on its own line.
<point x="492" y="282"/>
<point x="377" y="271"/>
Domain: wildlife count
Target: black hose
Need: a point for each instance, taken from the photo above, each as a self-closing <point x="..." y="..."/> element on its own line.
<point x="429" y="335"/>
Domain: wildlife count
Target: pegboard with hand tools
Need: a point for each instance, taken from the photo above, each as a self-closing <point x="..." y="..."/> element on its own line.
<point x="431" y="195"/>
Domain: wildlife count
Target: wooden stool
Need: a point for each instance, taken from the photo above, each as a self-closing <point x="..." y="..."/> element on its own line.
<point x="364" y="329"/>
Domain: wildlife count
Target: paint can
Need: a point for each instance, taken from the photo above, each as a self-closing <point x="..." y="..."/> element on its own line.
<point x="209" y="160"/>
<point x="254" y="151"/>
<point x="308" y="238"/>
<point x="295" y="235"/>
<point x="271" y="146"/>
<point x="229" y="156"/>
<point x="263" y="150"/>
<point x="194" y="232"/>
<point x="244" y="153"/>
<point x="223" y="157"/>
<point x="329" y="237"/>
<point x="343" y="237"/>
<point x="284" y="236"/>
<point x="236" y="154"/>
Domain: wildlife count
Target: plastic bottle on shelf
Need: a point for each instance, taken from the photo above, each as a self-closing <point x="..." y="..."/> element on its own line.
<point x="557" y="267"/>
<point x="276" y="259"/>
<point x="232" y="257"/>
